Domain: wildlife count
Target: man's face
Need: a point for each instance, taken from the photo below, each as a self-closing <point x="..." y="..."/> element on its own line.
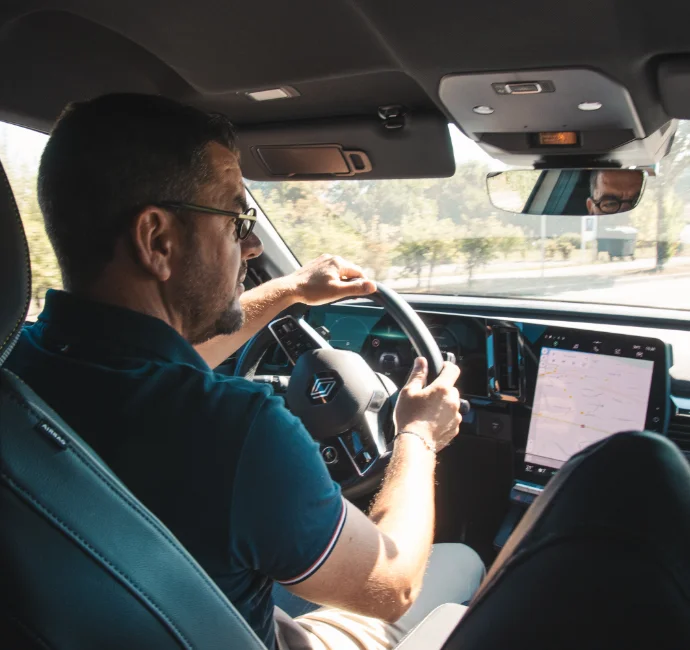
<point x="209" y="284"/>
<point x="616" y="185"/>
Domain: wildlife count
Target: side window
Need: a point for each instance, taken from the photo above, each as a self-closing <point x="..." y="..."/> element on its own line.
<point x="20" y="153"/>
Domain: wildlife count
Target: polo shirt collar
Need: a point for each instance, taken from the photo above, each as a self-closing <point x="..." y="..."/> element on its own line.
<point x="87" y="321"/>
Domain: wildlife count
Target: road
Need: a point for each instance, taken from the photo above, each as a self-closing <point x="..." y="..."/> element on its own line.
<point x="623" y="283"/>
<point x="660" y="291"/>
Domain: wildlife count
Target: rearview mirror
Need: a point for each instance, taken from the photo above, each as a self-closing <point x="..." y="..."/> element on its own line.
<point x="572" y="192"/>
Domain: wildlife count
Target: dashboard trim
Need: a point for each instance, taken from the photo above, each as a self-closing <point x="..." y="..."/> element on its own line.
<point x="516" y="309"/>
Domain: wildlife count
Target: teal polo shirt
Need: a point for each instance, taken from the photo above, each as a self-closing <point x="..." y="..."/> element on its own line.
<point x="220" y="460"/>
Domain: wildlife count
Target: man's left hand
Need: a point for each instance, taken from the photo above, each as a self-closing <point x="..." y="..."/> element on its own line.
<point x="329" y="278"/>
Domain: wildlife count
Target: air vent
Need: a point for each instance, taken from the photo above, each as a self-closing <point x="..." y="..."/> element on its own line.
<point x="507" y="361"/>
<point x="679" y="427"/>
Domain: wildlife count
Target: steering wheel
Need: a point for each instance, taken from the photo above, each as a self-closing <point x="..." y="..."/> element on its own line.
<point x="343" y="403"/>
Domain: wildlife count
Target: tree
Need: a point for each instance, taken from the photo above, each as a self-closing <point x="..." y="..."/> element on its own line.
<point x="575" y="239"/>
<point x="478" y="252"/>
<point x="20" y="151"/>
<point x="659" y="220"/>
<point x="668" y="216"/>
<point x="438" y="251"/>
<point x="565" y="245"/>
<point x="506" y="245"/>
<point x="411" y="255"/>
<point x="378" y="248"/>
<point x="308" y="223"/>
<point x="669" y="224"/>
<point x="463" y="197"/>
<point x="509" y="238"/>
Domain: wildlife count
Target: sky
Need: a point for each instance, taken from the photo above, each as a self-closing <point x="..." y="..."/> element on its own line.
<point x="467" y="150"/>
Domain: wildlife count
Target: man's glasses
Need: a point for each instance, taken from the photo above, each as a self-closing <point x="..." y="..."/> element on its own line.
<point x="613" y="204"/>
<point x="245" y="221"/>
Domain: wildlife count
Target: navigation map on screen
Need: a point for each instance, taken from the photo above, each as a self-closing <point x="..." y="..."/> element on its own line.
<point x="581" y="398"/>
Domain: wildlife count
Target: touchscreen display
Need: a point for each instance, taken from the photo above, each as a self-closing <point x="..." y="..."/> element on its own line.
<point x="580" y="398"/>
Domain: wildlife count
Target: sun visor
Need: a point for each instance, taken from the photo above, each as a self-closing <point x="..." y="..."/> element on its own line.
<point x="673" y="76"/>
<point x="412" y="146"/>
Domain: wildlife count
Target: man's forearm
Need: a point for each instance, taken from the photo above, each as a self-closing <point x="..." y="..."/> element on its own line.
<point x="261" y="305"/>
<point x="404" y="508"/>
<point x="318" y="282"/>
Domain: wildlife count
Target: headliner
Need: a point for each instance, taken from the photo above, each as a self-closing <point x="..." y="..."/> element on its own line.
<point x="346" y="57"/>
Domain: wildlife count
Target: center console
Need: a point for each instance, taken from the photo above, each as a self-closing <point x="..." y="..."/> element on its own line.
<point x="540" y="393"/>
<point x="587" y="386"/>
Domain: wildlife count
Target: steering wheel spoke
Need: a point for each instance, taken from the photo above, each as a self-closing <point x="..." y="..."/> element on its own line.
<point x="357" y="457"/>
<point x="295" y="336"/>
<point x="367" y="442"/>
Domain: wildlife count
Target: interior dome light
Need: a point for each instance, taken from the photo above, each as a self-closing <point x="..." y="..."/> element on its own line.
<point x="590" y="106"/>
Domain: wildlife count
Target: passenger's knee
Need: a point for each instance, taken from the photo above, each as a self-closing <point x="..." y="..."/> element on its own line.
<point x="460" y="560"/>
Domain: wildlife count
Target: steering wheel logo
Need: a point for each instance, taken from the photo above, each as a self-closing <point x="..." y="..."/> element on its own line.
<point x="324" y="387"/>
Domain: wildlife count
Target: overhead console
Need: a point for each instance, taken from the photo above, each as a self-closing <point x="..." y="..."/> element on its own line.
<point x="553" y="118"/>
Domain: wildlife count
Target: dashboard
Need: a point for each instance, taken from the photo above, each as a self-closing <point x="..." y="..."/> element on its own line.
<point x="379" y="339"/>
<point x="547" y="388"/>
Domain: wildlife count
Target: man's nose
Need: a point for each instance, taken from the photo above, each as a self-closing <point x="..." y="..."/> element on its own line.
<point x="251" y="247"/>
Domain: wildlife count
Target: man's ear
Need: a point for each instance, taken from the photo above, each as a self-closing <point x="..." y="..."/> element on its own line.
<point x="154" y="237"/>
<point x="590" y="205"/>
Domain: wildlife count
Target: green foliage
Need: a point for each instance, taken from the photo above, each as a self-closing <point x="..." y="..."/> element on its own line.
<point x="551" y="249"/>
<point x="21" y="164"/>
<point x="566" y="244"/>
<point x="573" y="238"/>
<point x="478" y="251"/>
<point x="414" y="256"/>
<point x="562" y="246"/>
<point x="509" y="239"/>
<point x="311" y="227"/>
<point x="411" y="255"/>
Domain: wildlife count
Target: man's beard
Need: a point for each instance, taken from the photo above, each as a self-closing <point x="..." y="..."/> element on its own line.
<point x="205" y="313"/>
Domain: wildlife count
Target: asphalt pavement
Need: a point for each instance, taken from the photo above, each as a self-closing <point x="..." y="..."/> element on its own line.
<point x="632" y="282"/>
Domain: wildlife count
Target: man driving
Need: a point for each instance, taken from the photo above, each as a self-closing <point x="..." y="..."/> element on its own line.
<point x="613" y="190"/>
<point x="144" y="203"/>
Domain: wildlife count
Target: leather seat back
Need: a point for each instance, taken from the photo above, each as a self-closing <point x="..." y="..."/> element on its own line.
<point x="83" y="564"/>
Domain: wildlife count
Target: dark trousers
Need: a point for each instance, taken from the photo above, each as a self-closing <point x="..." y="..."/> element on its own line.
<point x="601" y="559"/>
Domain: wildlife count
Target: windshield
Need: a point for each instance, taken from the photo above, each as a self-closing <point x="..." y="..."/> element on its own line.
<point x="443" y="236"/>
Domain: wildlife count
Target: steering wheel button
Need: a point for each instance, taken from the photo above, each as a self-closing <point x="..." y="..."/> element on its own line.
<point x="330" y="455"/>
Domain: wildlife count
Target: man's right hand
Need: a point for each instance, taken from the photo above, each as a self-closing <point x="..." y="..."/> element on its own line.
<point x="377" y="565"/>
<point x="430" y="411"/>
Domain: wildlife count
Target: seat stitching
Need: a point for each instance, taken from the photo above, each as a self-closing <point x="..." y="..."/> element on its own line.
<point x="122" y="496"/>
<point x="129" y="581"/>
<point x="32" y="633"/>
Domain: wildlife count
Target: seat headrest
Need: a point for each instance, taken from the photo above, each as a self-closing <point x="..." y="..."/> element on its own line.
<point x="15" y="270"/>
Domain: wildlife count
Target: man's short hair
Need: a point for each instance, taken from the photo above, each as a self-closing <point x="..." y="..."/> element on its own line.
<point x="108" y="158"/>
<point x="593" y="180"/>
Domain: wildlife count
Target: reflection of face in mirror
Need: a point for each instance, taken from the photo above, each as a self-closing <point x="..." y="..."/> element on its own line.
<point x="568" y="192"/>
<point x="612" y="191"/>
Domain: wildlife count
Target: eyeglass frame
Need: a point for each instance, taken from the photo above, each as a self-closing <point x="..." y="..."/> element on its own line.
<point x="614" y="199"/>
<point x="240" y="217"/>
